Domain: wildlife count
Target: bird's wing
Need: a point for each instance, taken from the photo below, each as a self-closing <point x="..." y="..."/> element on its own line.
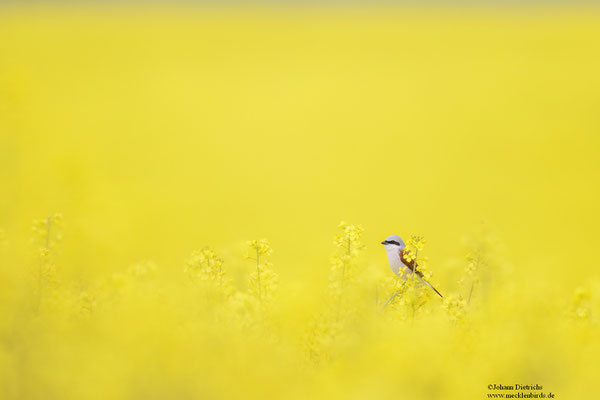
<point x="411" y="265"/>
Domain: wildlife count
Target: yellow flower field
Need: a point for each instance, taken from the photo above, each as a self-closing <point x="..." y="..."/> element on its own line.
<point x="193" y="200"/>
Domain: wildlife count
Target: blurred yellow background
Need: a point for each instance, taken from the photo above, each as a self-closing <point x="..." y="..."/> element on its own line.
<point x="158" y="130"/>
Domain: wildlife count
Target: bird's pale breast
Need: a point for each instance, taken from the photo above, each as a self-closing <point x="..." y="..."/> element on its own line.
<point x="395" y="262"/>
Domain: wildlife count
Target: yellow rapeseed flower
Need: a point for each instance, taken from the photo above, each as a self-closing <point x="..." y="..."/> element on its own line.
<point x="263" y="280"/>
<point x="455" y="307"/>
<point x="205" y="268"/>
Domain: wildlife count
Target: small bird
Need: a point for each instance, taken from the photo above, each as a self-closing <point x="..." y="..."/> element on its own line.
<point x="395" y="248"/>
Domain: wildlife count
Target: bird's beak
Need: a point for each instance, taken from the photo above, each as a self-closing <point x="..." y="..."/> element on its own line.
<point x="382" y="242"/>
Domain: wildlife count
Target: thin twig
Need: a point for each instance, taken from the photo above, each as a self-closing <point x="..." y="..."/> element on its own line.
<point x="392" y="297"/>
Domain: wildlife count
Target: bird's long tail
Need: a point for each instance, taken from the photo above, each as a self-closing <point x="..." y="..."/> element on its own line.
<point x="434" y="289"/>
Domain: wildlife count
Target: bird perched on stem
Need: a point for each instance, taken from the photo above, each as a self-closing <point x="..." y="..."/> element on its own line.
<point x="400" y="261"/>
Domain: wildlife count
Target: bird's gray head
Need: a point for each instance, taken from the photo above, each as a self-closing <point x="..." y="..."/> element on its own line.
<point x="393" y="242"/>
